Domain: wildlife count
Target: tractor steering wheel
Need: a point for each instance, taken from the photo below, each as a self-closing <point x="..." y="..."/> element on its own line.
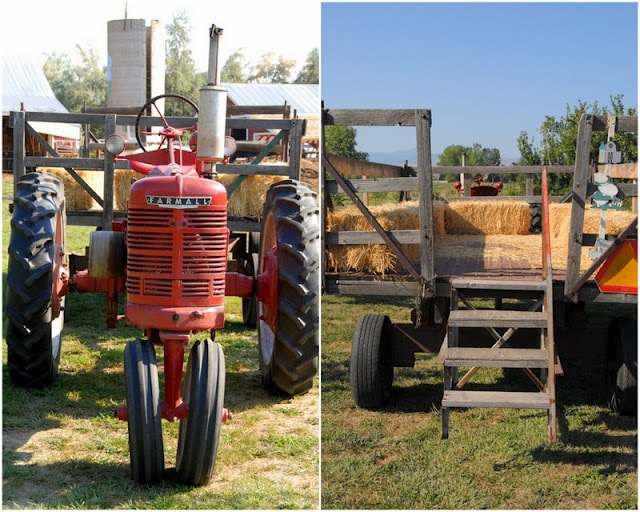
<point x="152" y="103"/>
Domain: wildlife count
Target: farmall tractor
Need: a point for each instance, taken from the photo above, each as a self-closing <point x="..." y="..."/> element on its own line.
<point x="170" y="258"/>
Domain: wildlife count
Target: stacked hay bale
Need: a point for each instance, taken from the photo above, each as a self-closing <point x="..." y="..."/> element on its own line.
<point x="475" y="229"/>
<point x="75" y="196"/>
<point x="248" y="199"/>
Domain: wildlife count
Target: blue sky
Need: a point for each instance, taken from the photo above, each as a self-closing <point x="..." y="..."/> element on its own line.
<point x="487" y="71"/>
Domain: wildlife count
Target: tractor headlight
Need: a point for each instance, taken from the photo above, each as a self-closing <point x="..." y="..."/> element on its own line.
<point x="114" y="144"/>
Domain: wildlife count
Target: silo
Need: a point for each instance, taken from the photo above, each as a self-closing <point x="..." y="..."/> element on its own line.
<point x="135" y="64"/>
<point x="127" y="63"/>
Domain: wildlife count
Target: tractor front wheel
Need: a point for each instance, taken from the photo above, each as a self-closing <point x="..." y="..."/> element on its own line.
<point x="144" y="417"/>
<point x="200" y="432"/>
<point x="36" y="281"/>
<point x="288" y="288"/>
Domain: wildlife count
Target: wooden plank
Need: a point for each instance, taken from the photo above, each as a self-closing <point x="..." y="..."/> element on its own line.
<point x="377" y="185"/>
<point x="496" y="357"/>
<point x="50" y="161"/>
<point x="353" y="167"/>
<point x="629" y="171"/>
<point x="498" y="399"/>
<point x="409" y="236"/>
<point x="498" y="284"/>
<point x="369" y="117"/>
<point x="379" y="288"/>
<point x="623" y="123"/>
<point x="497" y="318"/>
<point x="249" y="169"/>
<point x="492" y="169"/>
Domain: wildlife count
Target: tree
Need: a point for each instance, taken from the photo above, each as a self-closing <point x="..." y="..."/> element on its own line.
<point x="560" y="135"/>
<point x="474" y="155"/>
<point x="271" y="70"/>
<point x="310" y="72"/>
<point x="341" y="140"/>
<point x="233" y="71"/>
<point x="180" y="74"/>
<point x="76" y="86"/>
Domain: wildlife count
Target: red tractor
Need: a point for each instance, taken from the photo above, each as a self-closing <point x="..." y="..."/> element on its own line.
<point x="170" y="258"/>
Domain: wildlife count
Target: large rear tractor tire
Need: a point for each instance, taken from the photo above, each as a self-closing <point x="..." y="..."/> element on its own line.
<point x="623" y="366"/>
<point x="288" y="324"/>
<point x="36" y="281"/>
<point x="371" y="365"/>
<point x="199" y="436"/>
<point x="146" y="450"/>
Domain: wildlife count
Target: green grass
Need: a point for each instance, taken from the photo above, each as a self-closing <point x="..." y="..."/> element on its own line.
<point x="393" y="458"/>
<point x="62" y="447"/>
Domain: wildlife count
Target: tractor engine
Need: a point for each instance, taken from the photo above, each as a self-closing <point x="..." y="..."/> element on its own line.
<point x="177" y="240"/>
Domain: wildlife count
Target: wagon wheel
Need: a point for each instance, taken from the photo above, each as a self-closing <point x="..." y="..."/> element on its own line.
<point x="371" y="365"/>
<point x="623" y="366"/>
<point x="289" y="288"/>
<point x="36" y="281"/>
<point x="250" y="304"/>
<point x="203" y="391"/>
<point x="153" y="102"/>
<point x="144" y="418"/>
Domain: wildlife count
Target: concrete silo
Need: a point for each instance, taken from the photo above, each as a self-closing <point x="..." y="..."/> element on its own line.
<point x="135" y="63"/>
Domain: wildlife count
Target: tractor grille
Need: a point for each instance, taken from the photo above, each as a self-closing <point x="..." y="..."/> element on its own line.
<point x="176" y="253"/>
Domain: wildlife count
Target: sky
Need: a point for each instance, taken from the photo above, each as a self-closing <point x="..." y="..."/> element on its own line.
<point x="288" y="28"/>
<point x="487" y="71"/>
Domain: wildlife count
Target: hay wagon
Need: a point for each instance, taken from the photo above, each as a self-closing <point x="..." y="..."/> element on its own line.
<point x="456" y="256"/>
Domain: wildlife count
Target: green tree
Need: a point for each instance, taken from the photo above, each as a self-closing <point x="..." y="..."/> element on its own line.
<point x="341" y="140"/>
<point x="234" y="69"/>
<point x="76" y="86"/>
<point x="310" y="72"/>
<point x="271" y="70"/>
<point x="180" y="74"/>
<point x="475" y="155"/>
<point x="560" y="135"/>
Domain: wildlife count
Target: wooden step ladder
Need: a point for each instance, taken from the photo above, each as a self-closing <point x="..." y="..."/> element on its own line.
<point x="500" y="354"/>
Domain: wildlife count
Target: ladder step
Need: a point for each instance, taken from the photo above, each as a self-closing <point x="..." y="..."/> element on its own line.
<point x="497" y="318"/>
<point x="496" y="284"/>
<point x="502" y="399"/>
<point x="496" y="357"/>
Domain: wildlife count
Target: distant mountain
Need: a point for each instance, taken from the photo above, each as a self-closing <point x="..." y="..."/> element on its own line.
<point x="398" y="157"/>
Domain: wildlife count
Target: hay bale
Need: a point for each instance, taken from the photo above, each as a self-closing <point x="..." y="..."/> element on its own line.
<point x="248" y="199"/>
<point x="487" y="218"/>
<point x="378" y="258"/>
<point x="122" y="184"/>
<point x="472" y="229"/>
<point x="75" y="196"/>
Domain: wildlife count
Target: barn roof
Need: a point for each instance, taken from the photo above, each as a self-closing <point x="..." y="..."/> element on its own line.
<point x="303" y="98"/>
<point x="23" y="82"/>
<point x="24" y="85"/>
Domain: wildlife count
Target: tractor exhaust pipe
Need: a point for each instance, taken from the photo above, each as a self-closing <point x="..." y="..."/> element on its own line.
<point x="213" y="108"/>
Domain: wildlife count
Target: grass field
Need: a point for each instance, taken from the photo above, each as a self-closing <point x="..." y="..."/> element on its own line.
<point x="393" y="458"/>
<point x="62" y="447"/>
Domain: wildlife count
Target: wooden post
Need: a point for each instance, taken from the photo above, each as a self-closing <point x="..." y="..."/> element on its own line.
<point x="17" y="123"/>
<point x="425" y="180"/>
<point x="578" y="201"/>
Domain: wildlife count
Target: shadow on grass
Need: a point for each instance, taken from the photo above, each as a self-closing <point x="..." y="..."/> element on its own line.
<point x="90" y="485"/>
